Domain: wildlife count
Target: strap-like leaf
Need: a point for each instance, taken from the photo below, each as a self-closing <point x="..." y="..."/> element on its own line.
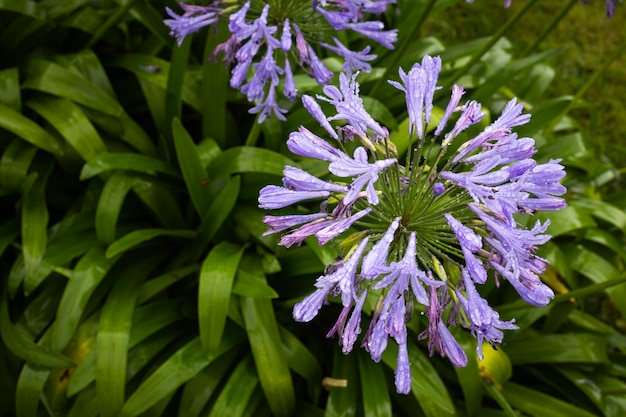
<point x="216" y="281"/>
<point x="267" y="350"/>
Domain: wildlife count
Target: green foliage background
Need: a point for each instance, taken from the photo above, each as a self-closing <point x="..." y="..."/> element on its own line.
<point x="135" y="277"/>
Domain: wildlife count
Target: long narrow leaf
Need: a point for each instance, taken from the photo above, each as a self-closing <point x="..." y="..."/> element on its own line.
<point x="216" y="281"/>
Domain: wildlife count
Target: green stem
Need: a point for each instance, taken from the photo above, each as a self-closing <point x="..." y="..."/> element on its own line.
<point x="214" y="88"/>
<point x="255" y="130"/>
<point x="406" y="41"/>
<point x="549" y="29"/>
<point x="495" y="38"/>
<point x="600" y="71"/>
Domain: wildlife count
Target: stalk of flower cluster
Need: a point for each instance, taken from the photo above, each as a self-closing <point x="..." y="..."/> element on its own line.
<point x="266" y="45"/>
<point x="453" y="204"/>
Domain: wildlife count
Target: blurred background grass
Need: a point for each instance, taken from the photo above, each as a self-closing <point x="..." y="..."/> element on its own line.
<point x="588" y="38"/>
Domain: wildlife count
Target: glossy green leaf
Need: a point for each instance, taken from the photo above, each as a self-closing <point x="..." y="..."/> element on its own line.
<point x="271" y="365"/>
<point x="343" y="384"/>
<point x="158" y="284"/>
<point x="15" y="162"/>
<point x="85" y="404"/>
<point x="68" y="119"/>
<point x="175" y="80"/>
<point x="87" y="274"/>
<point x="569" y="219"/>
<point x="114" y="334"/>
<point x="21" y="346"/>
<point x="470" y="376"/>
<point x="374" y="389"/>
<point x="151" y="19"/>
<point x="179" y="368"/>
<point x="25" y="7"/>
<point x="52" y="78"/>
<point x="200" y="388"/>
<point x="604" y="211"/>
<point x="138" y="64"/>
<point x="58" y="252"/>
<point x="161" y="201"/>
<point x="30" y="387"/>
<point x="216" y="280"/>
<point x="558" y="348"/>
<point x="10" y="94"/>
<point x="28" y="130"/>
<point x="35" y="221"/>
<point x="138" y="237"/>
<point x="194" y="174"/>
<point x="300" y="358"/>
<point x="110" y="204"/>
<point x="236" y="393"/>
<point x="539" y="404"/>
<point x="219" y="210"/>
<point x="251" y="285"/>
<point x="248" y="159"/>
<point x="126" y="161"/>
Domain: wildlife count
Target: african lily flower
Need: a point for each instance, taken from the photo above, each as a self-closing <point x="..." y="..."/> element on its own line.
<point x="268" y="43"/>
<point x="445" y="205"/>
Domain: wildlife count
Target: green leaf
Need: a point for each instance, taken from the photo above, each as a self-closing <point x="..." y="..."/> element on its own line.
<point x="179" y="368"/>
<point x="236" y="393"/>
<point x="200" y="388"/>
<point x="35" y="220"/>
<point x="9" y="231"/>
<point x="24" y="7"/>
<point x="300" y="359"/>
<point x="30" y="386"/>
<point x="53" y="79"/>
<point x="603" y="210"/>
<point x="248" y="159"/>
<point x="23" y="347"/>
<point x="567" y="220"/>
<point x="28" y="130"/>
<point x="114" y="334"/>
<point x="469" y="376"/>
<point x="69" y="120"/>
<point x="374" y="389"/>
<point x="219" y="210"/>
<point x="175" y="79"/>
<point x="137" y="237"/>
<point x="216" y="280"/>
<point x="252" y="285"/>
<point x="87" y="274"/>
<point x="194" y="174"/>
<point x="126" y="161"/>
<point x="559" y="348"/>
<point x="110" y="205"/>
<point x="160" y="200"/>
<point x="15" y="163"/>
<point x="343" y="386"/>
<point x="160" y="283"/>
<point x="540" y="405"/>
<point x="10" y="93"/>
<point x="267" y="350"/>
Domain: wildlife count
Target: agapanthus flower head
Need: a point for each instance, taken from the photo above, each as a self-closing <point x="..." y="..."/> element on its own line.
<point x="264" y="37"/>
<point x="451" y="203"/>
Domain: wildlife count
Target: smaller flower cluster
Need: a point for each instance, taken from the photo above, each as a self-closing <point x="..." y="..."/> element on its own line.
<point x="256" y="47"/>
<point x="461" y="212"/>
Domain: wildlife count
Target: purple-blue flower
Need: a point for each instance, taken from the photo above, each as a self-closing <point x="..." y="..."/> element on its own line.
<point x="263" y="38"/>
<point x="426" y="232"/>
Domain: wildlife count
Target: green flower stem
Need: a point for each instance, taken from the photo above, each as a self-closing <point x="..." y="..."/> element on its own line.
<point x="549" y="29"/>
<point x="255" y="130"/>
<point x="600" y="71"/>
<point x="496" y="36"/>
<point x="392" y="65"/>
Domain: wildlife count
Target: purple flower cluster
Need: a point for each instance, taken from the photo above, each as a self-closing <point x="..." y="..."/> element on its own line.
<point x="263" y="45"/>
<point x="461" y="211"/>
